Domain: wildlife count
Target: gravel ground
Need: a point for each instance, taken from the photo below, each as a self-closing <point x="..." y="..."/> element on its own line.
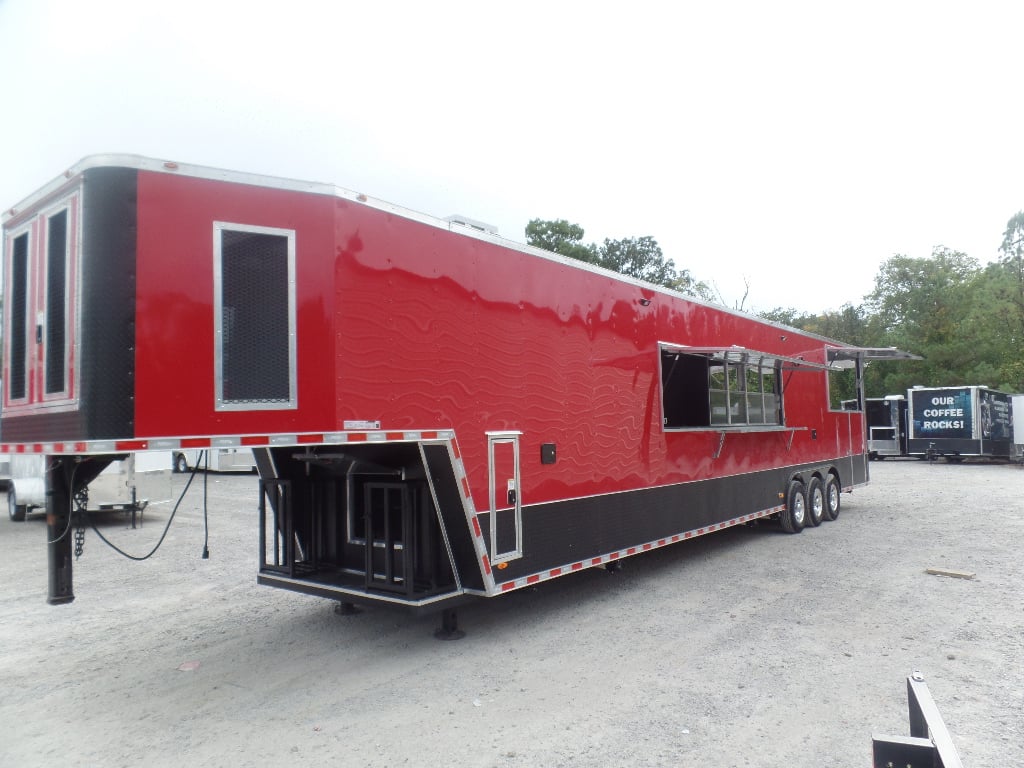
<point x="748" y="647"/>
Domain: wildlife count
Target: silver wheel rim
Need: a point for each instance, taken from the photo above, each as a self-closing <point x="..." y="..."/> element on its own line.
<point x="833" y="498"/>
<point x="798" y="509"/>
<point x="818" y="504"/>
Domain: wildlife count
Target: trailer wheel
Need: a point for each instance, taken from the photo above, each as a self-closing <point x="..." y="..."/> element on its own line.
<point x="15" y="510"/>
<point x="815" y="503"/>
<point x="832" y="498"/>
<point x="794" y="516"/>
<point x="180" y="463"/>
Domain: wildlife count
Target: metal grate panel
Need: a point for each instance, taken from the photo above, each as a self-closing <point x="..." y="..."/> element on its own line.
<point x="256" y="339"/>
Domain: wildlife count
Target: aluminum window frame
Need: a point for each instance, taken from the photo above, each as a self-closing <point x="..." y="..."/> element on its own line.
<point x="24" y="287"/>
<point x="37" y="228"/>
<point x="220" y="403"/>
<point x="734" y="364"/>
<point x="68" y="305"/>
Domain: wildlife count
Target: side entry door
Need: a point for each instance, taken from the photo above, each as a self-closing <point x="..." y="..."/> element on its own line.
<point x="506" y="517"/>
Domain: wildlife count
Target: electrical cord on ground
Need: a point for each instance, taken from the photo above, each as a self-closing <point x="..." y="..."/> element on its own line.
<point x="167" y="527"/>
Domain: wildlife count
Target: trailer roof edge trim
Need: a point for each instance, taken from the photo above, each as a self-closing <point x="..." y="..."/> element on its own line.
<point x="141" y="163"/>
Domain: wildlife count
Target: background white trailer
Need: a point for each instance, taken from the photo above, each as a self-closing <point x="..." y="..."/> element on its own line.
<point x="137" y="480"/>
<point x="220" y="460"/>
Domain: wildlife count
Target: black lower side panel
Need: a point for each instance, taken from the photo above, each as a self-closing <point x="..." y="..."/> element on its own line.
<point x="958" y="447"/>
<point x="333" y="506"/>
<point x="561" y="533"/>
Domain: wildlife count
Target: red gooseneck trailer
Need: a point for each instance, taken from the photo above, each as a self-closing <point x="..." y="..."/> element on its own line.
<point x="435" y="412"/>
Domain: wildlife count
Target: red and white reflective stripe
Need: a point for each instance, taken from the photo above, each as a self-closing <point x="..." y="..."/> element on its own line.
<point x="479" y="545"/>
<point x="228" y="441"/>
<point x="591" y="562"/>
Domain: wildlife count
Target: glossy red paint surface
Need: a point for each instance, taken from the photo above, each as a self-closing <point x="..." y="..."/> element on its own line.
<point x="436" y="328"/>
<point x="175" y="303"/>
<point x="421" y="328"/>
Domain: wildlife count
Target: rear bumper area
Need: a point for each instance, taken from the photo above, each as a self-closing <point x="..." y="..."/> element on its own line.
<point x="353" y="593"/>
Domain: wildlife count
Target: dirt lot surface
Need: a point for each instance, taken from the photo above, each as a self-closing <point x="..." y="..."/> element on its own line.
<point x="748" y="647"/>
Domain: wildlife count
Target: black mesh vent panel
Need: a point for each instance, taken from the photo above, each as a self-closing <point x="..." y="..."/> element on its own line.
<point x="255" y="318"/>
<point x="19" y="295"/>
<point x="56" y="298"/>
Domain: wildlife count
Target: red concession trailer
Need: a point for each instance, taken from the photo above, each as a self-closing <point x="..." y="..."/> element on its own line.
<point x="436" y="413"/>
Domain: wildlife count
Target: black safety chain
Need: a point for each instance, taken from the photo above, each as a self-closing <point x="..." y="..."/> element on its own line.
<point x="81" y="505"/>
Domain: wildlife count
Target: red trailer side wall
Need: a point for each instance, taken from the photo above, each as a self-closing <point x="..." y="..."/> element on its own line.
<point x="175" y="304"/>
<point x="438" y="329"/>
<point x="418" y="327"/>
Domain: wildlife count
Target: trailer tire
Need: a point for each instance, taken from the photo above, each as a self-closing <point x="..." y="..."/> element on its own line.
<point x="815" y="503"/>
<point x="180" y="463"/>
<point x="794" y="517"/>
<point x="832" y="498"/>
<point x="16" y="511"/>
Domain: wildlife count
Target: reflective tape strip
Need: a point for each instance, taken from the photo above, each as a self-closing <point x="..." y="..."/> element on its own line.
<point x="591" y="562"/>
<point x="227" y="441"/>
<point x="479" y="545"/>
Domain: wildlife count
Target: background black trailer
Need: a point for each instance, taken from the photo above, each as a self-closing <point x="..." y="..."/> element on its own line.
<point x="958" y="422"/>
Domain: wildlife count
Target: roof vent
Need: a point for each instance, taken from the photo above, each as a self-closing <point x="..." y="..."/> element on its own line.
<point x="465" y="221"/>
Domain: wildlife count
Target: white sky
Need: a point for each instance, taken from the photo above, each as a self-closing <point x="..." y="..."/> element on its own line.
<point x="794" y="144"/>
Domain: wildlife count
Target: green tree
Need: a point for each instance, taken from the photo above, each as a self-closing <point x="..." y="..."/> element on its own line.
<point x="684" y="282"/>
<point x="560" y="237"/>
<point x="794" y="318"/>
<point x="926" y="306"/>
<point x="849" y="324"/>
<point x="998" y="315"/>
<point x="639" y="257"/>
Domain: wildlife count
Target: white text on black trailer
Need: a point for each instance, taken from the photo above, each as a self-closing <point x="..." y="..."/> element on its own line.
<point x="959" y="422"/>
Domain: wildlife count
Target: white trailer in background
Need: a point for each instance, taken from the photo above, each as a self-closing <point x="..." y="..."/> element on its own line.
<point x="128" y="485"/>
<point x="220" y="460"/>
<point x="887" y="426"/>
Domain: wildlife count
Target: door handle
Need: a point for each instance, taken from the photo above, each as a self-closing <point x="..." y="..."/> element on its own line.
<point x="512" y="496"/>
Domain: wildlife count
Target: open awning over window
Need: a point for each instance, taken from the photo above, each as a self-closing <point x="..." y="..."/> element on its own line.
<point x="846" y="357"/>
<point x="744" y="355"/>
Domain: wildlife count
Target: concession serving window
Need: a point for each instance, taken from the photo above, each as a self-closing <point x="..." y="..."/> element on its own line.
<point x="724" y="387"/>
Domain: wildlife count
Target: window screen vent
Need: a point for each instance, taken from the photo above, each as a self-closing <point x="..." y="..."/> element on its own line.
<point x="255" y="304"/>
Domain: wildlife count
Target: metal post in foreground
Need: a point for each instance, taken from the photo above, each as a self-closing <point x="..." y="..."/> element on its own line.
<point x="58" y="532"/>
<point x="929" y="744"/>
